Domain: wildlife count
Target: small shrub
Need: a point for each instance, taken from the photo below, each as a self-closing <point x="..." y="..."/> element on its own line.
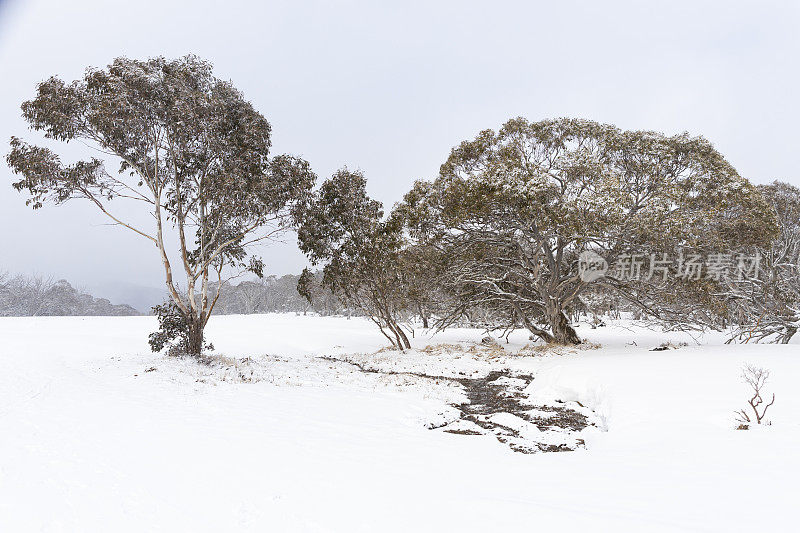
<point x="173" y="331"/>
<point x="756" y="378"/>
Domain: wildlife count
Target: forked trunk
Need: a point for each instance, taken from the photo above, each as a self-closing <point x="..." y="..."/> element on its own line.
<point x="401" y="339"/>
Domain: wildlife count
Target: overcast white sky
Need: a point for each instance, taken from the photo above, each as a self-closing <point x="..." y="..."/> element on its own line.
<point x="390" y="87"/>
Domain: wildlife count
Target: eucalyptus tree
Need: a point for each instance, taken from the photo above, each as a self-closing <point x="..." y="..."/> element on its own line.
<point x="184" y="146"/>
<point x="363" y="253"/>
<point x="512" y="210"/>
<point x="765" y="305"/>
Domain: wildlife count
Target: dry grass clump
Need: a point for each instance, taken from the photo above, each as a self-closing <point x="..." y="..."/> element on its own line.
<point x="218" y="367"/>
<point x="556" y="349"/>
<point x="491" y="351"/>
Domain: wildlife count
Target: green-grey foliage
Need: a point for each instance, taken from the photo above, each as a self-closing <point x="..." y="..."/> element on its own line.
<point x="511" y="210"/>
<point x="344" y="228"/>
<point x="186" y="146"/>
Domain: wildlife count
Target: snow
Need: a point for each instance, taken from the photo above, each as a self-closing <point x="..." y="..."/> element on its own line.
<point x="97" y="434"/>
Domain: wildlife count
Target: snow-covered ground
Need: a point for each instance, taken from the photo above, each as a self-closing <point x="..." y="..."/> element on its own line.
<point x="97" y="434"/>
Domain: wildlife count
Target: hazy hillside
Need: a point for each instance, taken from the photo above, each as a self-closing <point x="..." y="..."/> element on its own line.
<point x="32" y="296"/>
<point x="140" y="297"/>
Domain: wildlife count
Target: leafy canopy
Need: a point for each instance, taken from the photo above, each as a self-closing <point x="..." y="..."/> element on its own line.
<point x="584" y="181"/>
<point x="184" y="141"/>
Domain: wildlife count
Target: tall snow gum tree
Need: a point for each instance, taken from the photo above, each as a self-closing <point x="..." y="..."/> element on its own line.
<point x="189" y="149"/>
<point x="511" y="210"/>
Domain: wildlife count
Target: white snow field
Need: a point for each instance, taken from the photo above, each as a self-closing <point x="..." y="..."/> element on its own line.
<point x="98" y="434"/>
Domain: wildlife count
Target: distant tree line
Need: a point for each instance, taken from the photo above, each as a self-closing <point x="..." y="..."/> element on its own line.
<point x="272" y="294"/>
<point x="37" y="296"/>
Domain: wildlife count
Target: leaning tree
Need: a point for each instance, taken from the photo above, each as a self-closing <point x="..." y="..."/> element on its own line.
<point x="512" y="210"/>
<point x="188" y="149"/>
<point x="363" y="252"/>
